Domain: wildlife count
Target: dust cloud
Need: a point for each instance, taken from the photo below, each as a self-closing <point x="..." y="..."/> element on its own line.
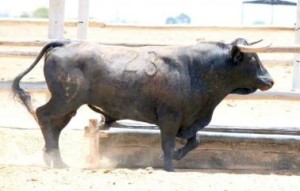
<point x="25" y="148"/>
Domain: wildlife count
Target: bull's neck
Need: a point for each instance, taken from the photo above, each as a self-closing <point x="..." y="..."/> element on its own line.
<point x="216" y="74"/>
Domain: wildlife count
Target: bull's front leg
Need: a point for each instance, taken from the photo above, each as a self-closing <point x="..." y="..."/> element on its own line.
<point x="168" y="146"/>
<point x="190" y="134"/>
<point x="191" y="144"/>
<point x="168" y="123"/>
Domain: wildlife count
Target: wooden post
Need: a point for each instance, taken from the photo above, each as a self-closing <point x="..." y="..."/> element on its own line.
<point x="92" y="133"/>
<point x="83" y="19"/>
<point x="296" y="74"/>
<point x="56" y="19"/>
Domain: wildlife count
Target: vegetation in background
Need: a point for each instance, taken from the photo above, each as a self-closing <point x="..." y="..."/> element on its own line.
<point x="41" y="12"/>
<point x="180" y="19"/>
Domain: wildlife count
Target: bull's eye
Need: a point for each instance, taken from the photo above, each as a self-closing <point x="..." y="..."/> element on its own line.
<point x="253" y="60"/>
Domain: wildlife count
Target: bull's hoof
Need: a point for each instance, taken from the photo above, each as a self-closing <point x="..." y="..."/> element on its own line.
<point x="169" y="168"/>
<point x="59" y="164"/>
<point x="54" y="160"/>
<point x="177" y="155"/>
<point x="168" y="165"/>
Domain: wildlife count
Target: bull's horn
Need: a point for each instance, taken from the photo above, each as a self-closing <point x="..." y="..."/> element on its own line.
<point x="255" y="42"/>
<point x="247" y="48"/>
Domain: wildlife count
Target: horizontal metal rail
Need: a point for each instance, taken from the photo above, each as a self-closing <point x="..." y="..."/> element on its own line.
<point x="288" y="130"/>
<point x="18" y="53"/>
<point x="271" y="49"/>
<point x="95" y="23"/>
<point x="270" y="95"/>
<point x="23" y="43"/>
<point x="39" y="43"/>
<point x="215" y="136"/>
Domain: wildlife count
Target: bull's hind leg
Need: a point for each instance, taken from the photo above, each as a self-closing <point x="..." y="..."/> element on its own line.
<point x="191" y="144"/>
<point x="68" y="88"/>
<point x="52" y="118"/>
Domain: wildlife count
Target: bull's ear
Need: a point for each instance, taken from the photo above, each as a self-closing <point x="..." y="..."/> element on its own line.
<point x="236" y="55"/>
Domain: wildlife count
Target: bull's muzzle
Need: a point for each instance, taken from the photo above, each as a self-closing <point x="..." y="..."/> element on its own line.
<point x="268" y="84"/>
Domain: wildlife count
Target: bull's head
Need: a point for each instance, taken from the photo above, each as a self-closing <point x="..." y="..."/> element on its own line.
<point x="252" y="74"/>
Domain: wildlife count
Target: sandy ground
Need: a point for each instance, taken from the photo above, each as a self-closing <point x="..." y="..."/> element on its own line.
<point x="22" y="167"/>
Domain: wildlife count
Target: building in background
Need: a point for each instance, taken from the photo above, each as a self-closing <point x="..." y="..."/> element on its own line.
<point x="268" y="12"/>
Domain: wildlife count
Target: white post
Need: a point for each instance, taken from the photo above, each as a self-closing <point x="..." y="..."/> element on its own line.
<point x="56" y="19"/>
<point x="296" y="73"/>
<point x="83" y="19"/>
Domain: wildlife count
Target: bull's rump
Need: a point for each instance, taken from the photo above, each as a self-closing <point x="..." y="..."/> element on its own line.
<point x="124" y="82"/>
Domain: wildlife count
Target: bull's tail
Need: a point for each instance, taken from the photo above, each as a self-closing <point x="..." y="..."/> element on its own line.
<point x="18" y="92"/>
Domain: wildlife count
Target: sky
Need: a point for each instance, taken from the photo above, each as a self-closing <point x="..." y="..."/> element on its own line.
<point x="155" y="12"/>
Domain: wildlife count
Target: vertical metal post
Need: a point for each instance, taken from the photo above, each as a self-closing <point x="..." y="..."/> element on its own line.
<point x="56" y="19"/>
<point x="242" y="14"/>
<point x="83" y="19"/>
<point x="296" y="72"/>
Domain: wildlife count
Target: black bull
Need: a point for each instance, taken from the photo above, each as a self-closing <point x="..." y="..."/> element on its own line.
<point x="174" y="87"/>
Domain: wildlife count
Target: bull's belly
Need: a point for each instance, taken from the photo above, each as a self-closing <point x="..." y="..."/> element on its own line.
<point x="133" y="110"/>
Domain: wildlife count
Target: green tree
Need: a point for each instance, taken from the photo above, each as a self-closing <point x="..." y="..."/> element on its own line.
<point x="41" y="12"/>
<point x="25" y="15"/>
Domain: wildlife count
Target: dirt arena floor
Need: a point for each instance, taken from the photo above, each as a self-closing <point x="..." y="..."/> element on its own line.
<point x="22" y="167"/>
